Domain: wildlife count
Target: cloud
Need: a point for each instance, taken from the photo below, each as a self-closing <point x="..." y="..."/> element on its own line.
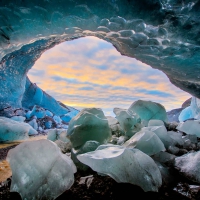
<point x="90" y="72"/>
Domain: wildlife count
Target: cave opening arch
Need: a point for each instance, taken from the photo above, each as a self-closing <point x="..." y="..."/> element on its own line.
<point x="167" y="43"/>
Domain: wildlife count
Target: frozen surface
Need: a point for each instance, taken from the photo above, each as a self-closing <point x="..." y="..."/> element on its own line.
<point x="89" y="124"/>
<point x="146" y="141"/>
<point x="40" y="170"/>
<point x="190" y="127"/>
<point x="188" y="165"/>
<point x="124" y="166"/>
<point x="148" y="110"/>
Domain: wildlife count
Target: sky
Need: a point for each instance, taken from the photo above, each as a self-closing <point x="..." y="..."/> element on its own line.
<point x="90" y="72"/>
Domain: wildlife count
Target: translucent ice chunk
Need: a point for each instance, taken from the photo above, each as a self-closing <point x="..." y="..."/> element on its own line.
<point x="164" y="157"/>
<point x="155" y="122"/>
<point x="146" y="141"/>
<point x="34" y="124"/>
<point x="130" y="123"/>
<point x="148" y="110"/>
<point x="161" y="132"/>
<point x="11" y="130"/>
<point x="87" y="147"/>
<point x="188" y="165"/>
<point x="57" y="119"/>
<point x="185" y="114"/>
<point x="124" y="166"/>
<point x="115" y="126"/>
<point x="177" y="137"/>
<point x="67" y="117"/>
<point x="40" y="170"/>
<point x="190" y="127"/>
<point x="18" y="118"/>
<point x="37" y="111"/>
<point x="89" y="124"/>
<point x="57" y="134"/>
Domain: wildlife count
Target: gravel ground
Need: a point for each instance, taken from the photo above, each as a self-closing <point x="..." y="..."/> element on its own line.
<point x="4" y="151"/>
<point x="105" y="188"/>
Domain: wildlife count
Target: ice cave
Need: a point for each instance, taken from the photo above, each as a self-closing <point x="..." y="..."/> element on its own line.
<point x="163" y="34"/>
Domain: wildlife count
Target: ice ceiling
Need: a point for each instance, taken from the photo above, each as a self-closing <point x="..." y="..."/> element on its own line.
<point x="163" y="34"/>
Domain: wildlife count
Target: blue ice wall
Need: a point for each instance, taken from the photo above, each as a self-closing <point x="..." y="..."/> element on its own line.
<point x="161" y="33"/>
<point x="34" y="95"/>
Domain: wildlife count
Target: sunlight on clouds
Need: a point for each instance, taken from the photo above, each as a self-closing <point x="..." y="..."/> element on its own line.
<point x="90" y="72"/>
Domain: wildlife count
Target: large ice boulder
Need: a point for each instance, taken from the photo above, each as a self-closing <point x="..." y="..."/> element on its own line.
<point x="130" y="122"/>
<point x="190" y="127"/>
<point x="189" y="166"/>
<point x="40" y="170"/>
<point x="89" y="124"/>
<point x="11" y="130"/>
<point x="148" y="110"/>
<point x="146" y="141"/>
<point x="124" y="166"/>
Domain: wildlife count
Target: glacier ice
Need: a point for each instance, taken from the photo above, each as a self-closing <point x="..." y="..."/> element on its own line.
<point x="129" y="122"/>
<point x="65" y="147"/>
<point x="148" y="110"/>
<point x="18" y="118"/>
<point x="87" y="147"/>
<point x="57" y="134"/>
<point x="167" y="175"/>
<point x="190" y="127"/>
<point x="188" y="165"/>
<point x="164" y="158"/>
<point x="67" y="117"/>
<point x="124" y="166"/>
<point x="177" y="137"/>
<point x="136" y="31"/>
<point x="185" y="114"/>
<point x="115" y="127"/>
<point x="161" y="132"/>
<point x="89" y="124"/>
<point x="33" y="123"/>
<point x="146" y="141"/>
<point x="12" y="130"/>
<point x="36" y="178"/>
<point x="155" y="122"/>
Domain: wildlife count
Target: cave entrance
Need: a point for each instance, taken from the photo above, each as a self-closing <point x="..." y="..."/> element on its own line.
<point x="90" y="72"/>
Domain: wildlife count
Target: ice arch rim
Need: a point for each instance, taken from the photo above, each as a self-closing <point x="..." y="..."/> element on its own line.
<point x="168" y="42"/>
